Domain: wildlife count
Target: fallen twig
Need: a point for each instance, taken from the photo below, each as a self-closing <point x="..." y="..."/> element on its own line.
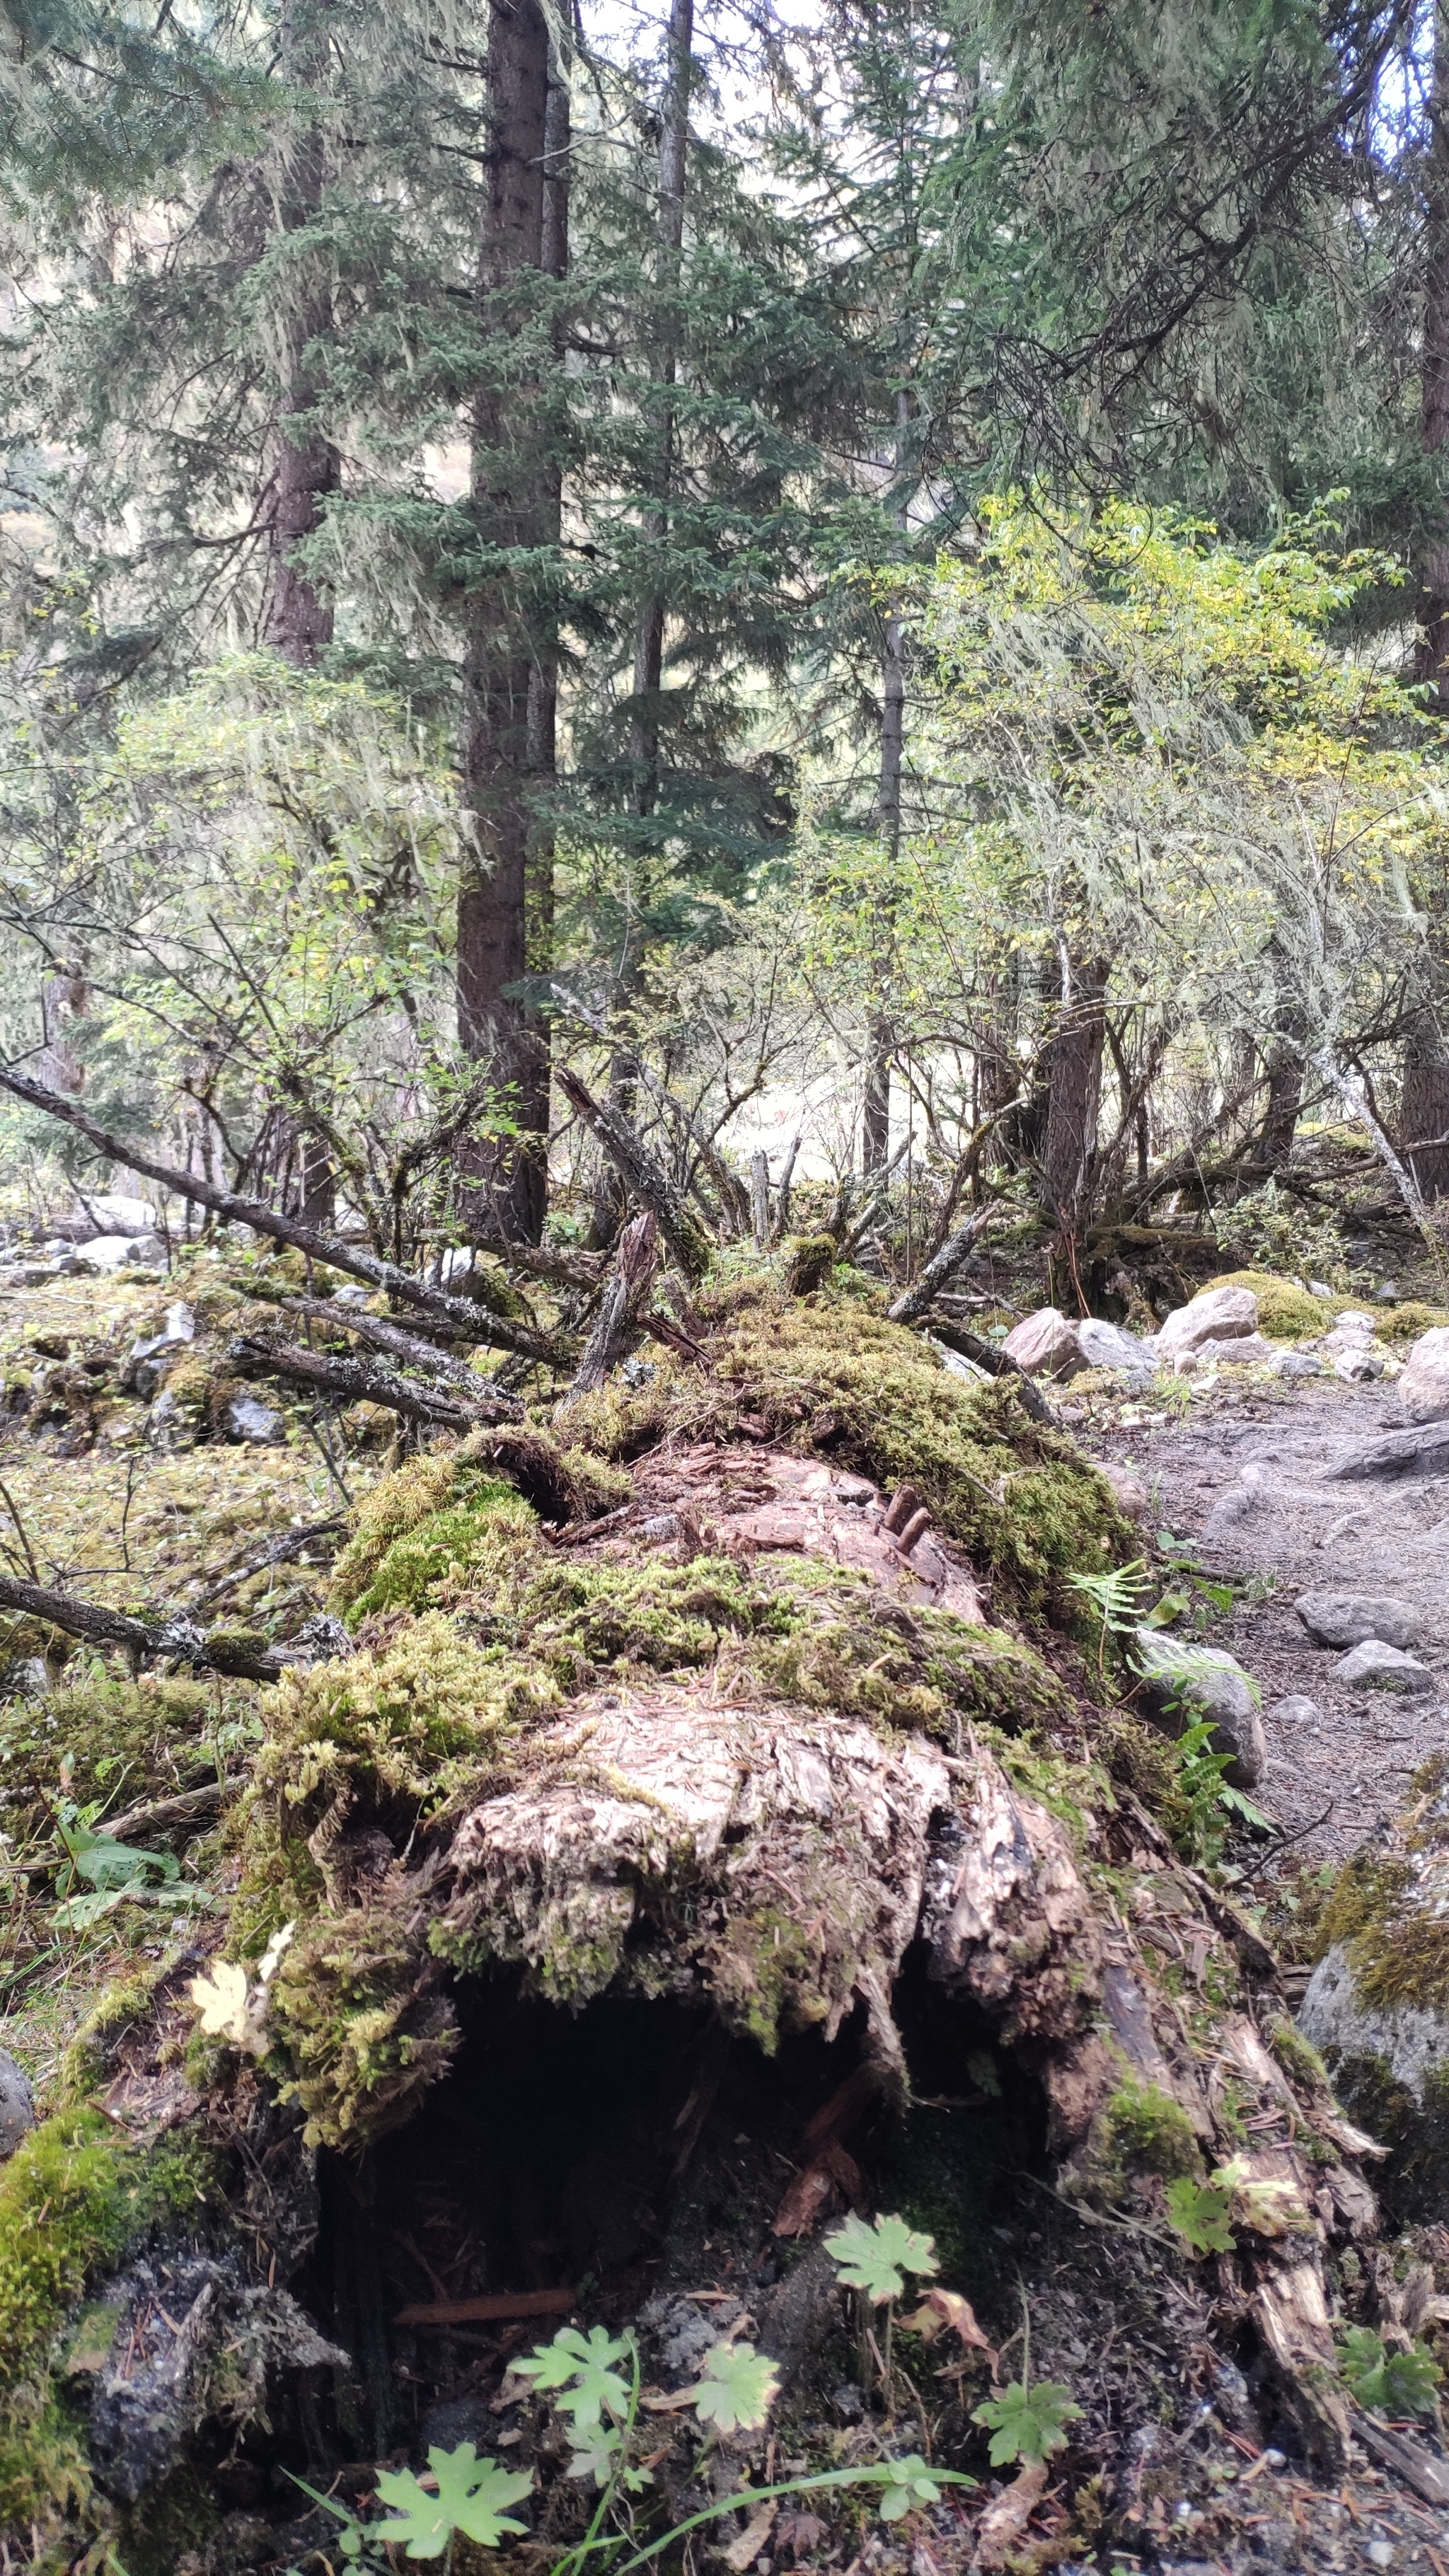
<point x="179" y="1637"/>
<point x="358" y="1383"/>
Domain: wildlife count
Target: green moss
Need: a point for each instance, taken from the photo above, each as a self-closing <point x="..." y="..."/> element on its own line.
<point x="1298" y="2057"/>
<point x="812" y="1259"/>
<point x="70" y="2197"/>
<point x="435" y="1489"/>
<point x="446" y="1551"/>
<point x="119" y="1741"/>
<point x="356" y="2008"/>
<point x="1141" y="2125"/>
<point x="1406" y="1322"/>
<point x="1285" y="1313"/>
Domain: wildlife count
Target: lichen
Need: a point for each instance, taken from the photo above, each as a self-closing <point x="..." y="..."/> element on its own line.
<point x="1142" y="2126"/>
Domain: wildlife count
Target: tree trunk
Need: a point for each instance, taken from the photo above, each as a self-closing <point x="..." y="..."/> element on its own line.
<point x="1285" y="1100"/>
<point x="1075" y="1081"/>
<point x="1433" y="609"/>
<point x="648" y="675"/>
<point x="297" y="619"/>
<point x="875" y="1124"/>
<point x="1424" y="1123"/>
<point x="508" y="698"/>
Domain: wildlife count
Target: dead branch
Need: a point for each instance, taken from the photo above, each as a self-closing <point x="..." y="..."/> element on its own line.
<point x="643" y="1176"/>
<point x="479" y="1322"/>
<point x="222" y="1652"/>
<point x="192" y="1807"/>
<point x="382" y="1335"/>
<point x="358" y="1383"/>
<point x="939" y="1268"/>
<point x="276" y="1552"/>
<point x="634" y="1265"/>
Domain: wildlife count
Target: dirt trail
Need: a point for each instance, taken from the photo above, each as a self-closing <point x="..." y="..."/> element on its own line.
<point x="1245" y="1479"/>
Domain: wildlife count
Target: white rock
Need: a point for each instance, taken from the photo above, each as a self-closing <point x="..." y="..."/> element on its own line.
<point x="1214" y="1315"/>
<point x="116" y="1213"/>
<point x="1373" y="1666"/>
<point x="1424" y="1386"/>
<point x="1296" y="1710"/>
<point x="1359" y="1365"/>
<point x="1352" y="1330"/>
<point x="110" y="1252"/>
<point x="1044" y="1344"/>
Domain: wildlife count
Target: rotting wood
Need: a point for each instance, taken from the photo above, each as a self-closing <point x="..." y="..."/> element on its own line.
<point x="494" y="2309"/>
<point x="913" y="1302"/>
<point x="634" y="1264"/>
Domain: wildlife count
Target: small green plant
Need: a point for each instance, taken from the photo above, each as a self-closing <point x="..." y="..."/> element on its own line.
<point x="874" y="2261"/>
<point x="1198" y="2213"/>
<point x="876" y="2258"/>
<point x="1117" y="1598"/>
<point x="472" y="2497"/>
<point x="738" y="2388"/>
<point x="582" y="2375"/>
<point x="1026" y="2423"/>
<point x="1210" y="1799"/>
<point x="1388" y="2383"/>
<point x="115" y="1873"/>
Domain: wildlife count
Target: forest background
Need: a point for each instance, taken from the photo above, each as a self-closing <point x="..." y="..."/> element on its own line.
<point x="870" y="582"/>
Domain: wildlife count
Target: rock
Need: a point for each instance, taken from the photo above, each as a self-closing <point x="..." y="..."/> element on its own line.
<point x="1129" y="1489"/>
<point x="1375" y="1666"/>
<point x="1107" y="1346"/>
<point x="1358" y="1365"/>
<point x="1296" y="1710"/>
<point x="113" y="1212"/>
<point x="251" y="1421"/>
<point x="17" y="2105"/>
<point x="168" y="1425"/>
<point x="1214" y="1315"/>
<point x="146" y="1361"/>
<point x="1347" y="1618"/>
<point x="1422" y="1450"/>
<point x="1184" y="1683"/>
<point x="1351" y="1330"/>
<point x="1044" y="1345"/>
<point x="1410" y="2040"/>
<point x="1245" y="1350"/>
<point x="1298" y="1363"/>
<point x="1424" y="1386"/>
<point x="114" y="1251"/>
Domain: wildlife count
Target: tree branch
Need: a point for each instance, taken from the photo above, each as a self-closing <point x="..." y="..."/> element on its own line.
<point x="358" y="1383"/>
<point x="642" y="1175"/>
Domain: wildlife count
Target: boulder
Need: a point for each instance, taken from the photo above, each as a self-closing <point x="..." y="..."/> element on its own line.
<point x="17" y="2104"/>
<point x="115" y="1212"/>
<point x="1296" y="1364"/>
<point x="1107" y="1346"/>
<point x="1375" y="1666"/>
<point x="1184" y="1683"/>
<point x="114" y="1251"/>
<point x="254" y="1423"/>
<point x="1044" y="1345"/>
<point x="1359" y="1364"/>
<point x="1245" y="1350"/>
<point x="1347" y="1618"/>
<point x="1296" y="1710"/>
<point x="1424" y="1386"/>
<point x="1350" y="1330"/>
<point x="1214" y="1315"/>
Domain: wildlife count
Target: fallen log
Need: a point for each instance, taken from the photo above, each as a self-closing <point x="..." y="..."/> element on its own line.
<point x="355" y="1382"/>
<point x="493" y="2308"/>
<point x="941" y="1266"/>
<point x="477" y="1321"/>
<point x="177" y="1637"/>
<point x="629" y="1279"/>
<point x="382" y="1335"/>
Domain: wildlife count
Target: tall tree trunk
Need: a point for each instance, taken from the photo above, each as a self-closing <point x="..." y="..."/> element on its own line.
<point x="1425" y="1116"/>
<point x="1075" y="1082"/>
<point x="1433" y="610"/>
<point x="875" y="1138"/>
<point x="648" y="674"/>
<point x="297" y="619"/>
<point x="508" y="718"/>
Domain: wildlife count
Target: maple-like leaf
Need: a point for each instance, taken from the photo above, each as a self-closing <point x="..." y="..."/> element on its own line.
<point x="876" y="2258"/>
<point x="589" y="2362"/>
<point x="473" y="2497"/>
<point x="738" y="2388"/>
<point x="221" y="2001"/>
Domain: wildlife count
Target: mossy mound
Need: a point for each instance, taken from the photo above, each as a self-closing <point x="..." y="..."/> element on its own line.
<point x="1285" y="1313"/>
<point x="827" y="1373"/>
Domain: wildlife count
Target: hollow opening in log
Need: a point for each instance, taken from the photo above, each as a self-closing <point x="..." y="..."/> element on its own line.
<point x="635" y="2150"/>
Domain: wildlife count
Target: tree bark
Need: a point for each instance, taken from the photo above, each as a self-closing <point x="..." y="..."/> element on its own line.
<point x="508" y="685"/>
<point x="1424" y="1122"/>
<point x="875" y="1121"/>
<point x="634" y="1264"/>
<point x="355" y="1382"/>
<point x="297" y="619"/>
<point x="1075" y="1082"/>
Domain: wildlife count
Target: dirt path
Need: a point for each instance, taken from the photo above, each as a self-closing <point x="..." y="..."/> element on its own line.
<point x="1245" y="1480"/>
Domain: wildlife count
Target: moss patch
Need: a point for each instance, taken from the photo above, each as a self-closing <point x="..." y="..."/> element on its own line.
<point x="119" y="1741"/>
<point x="1285" y="1313"/>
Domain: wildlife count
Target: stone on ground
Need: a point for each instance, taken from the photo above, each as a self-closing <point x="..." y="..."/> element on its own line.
<point x="248" y="1419"/>
<point x="1044" y="1344"/>
<point x="1244" y="1350"/>
<point x="1374" y="1666"/>
<point x="1214" y="1315"/>
<point x="1185" y="1683"/>
<point x="1104" y="1345"/>
<point x="1128" y="1487"/>
<point x="1296" y="1710"/>
<point x="17" y="2105"/>
<point x="1347" y="1618"/>
<point x="1424" y="1386"/>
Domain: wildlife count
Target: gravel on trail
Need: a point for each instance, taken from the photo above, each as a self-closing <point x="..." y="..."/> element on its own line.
<point x="1246" y="1480"/>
